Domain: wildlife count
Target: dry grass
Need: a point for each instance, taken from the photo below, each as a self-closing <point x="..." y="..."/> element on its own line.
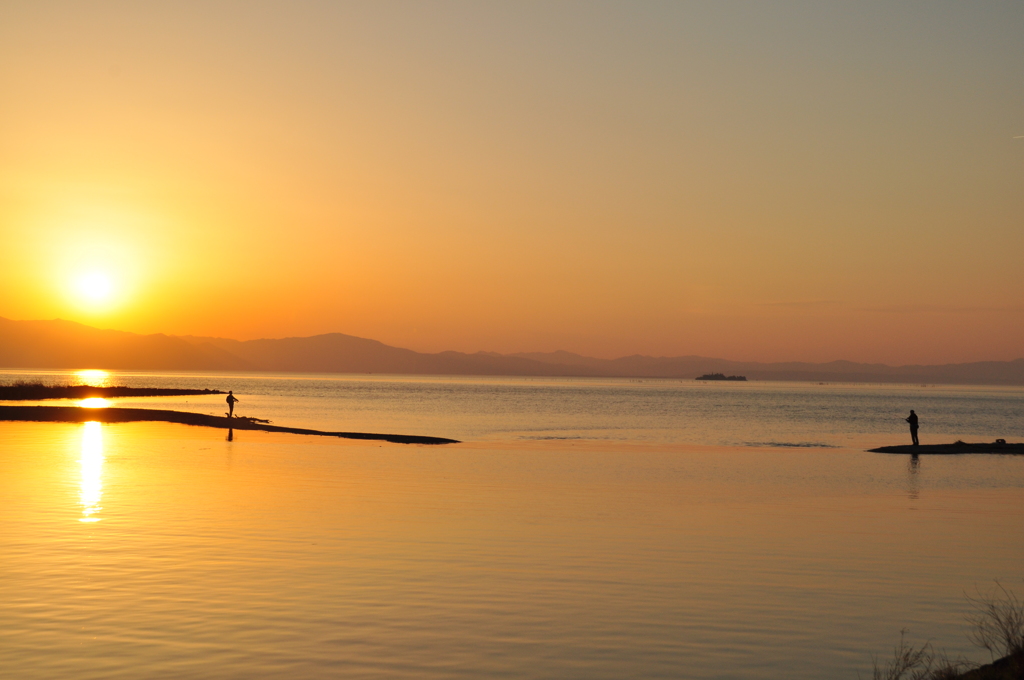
<point x="997" y="625"/>
<point x="910" y="662"/>
<point x="997" y="621"/>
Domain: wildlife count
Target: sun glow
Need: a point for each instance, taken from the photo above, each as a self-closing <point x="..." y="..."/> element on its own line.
<point x="94" y="288"/>
<point x="93" y="377"/>
<point x="91" y="486"/>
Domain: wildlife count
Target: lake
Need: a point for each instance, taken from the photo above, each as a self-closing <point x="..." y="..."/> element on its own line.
<point x="583" y="529"/>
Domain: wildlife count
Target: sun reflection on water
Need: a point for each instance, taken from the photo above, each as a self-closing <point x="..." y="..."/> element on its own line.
<point x="92" y="376"/>
<point x="91" y="489"/>
<point x="94" y="402"/>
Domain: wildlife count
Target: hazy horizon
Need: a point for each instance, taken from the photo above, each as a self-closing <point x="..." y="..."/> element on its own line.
<point x="783" y="182"/>
<point x="49" y="344"/>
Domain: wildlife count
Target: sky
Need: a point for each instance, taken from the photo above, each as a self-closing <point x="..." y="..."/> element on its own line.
<point x="754" y="181"/>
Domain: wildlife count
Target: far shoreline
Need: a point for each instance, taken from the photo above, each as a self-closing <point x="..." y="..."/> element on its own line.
<point x="37" y="391"/>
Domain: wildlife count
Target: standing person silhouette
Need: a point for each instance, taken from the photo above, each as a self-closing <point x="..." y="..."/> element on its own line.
<point x="232" y="399"/>
<point x="912" y="419"/>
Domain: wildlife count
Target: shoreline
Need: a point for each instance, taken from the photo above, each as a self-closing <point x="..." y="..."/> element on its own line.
<point x="953" y="449"/>
<point x="75" y="414"/>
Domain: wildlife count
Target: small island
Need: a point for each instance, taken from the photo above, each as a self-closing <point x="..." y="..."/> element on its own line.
<point x="720" y="376"/>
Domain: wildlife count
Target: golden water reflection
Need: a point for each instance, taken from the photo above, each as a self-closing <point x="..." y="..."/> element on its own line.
<point x="92" y="376"/>
<point x="94" y="402"/>
<point x="91" y="489"/>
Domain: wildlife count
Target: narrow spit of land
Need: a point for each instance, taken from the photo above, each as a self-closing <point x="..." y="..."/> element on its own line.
<point x="954" y="448"/>
<point x="23" y="391"/>
<point x="74" y="414"/>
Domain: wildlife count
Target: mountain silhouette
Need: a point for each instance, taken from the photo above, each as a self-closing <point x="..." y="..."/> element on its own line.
<point x="339" y="353"/>
<point x="65" y="344"/>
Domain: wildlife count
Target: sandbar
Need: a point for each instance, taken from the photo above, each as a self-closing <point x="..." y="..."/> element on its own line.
<point x="954" y="448"/>
<point x="75" y="414"/>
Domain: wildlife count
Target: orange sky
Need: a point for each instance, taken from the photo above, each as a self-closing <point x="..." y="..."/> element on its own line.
<point x="757" y="182"/>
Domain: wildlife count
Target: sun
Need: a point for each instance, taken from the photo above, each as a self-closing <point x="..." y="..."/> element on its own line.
<point x="94" y="288"/>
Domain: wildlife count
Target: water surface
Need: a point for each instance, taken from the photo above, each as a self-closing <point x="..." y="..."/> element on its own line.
<point x="588" y="529"/>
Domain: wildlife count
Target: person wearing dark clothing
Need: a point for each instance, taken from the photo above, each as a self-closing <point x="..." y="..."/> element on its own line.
<point x="913" y="426"/>
<point x="232" y="399"/>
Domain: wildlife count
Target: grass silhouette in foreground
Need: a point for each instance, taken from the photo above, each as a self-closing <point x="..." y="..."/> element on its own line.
<point x="37" y="391"/>
<point x="997" y="625"/>
<point x="74" y="414"/>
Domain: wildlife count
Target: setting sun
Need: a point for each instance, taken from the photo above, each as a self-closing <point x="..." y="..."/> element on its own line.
<point x="94" y="288"/>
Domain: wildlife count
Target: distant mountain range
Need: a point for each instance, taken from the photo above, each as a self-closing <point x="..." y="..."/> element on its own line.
<point x="65" y="344"/>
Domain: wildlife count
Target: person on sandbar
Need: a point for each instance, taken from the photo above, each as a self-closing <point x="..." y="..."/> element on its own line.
<point x="232" y="399"/>
<point x="912" y="419"/>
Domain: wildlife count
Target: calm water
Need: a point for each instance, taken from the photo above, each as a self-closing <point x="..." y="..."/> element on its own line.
<point x="585" y="528"/>
<point x="651" y="411"/>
